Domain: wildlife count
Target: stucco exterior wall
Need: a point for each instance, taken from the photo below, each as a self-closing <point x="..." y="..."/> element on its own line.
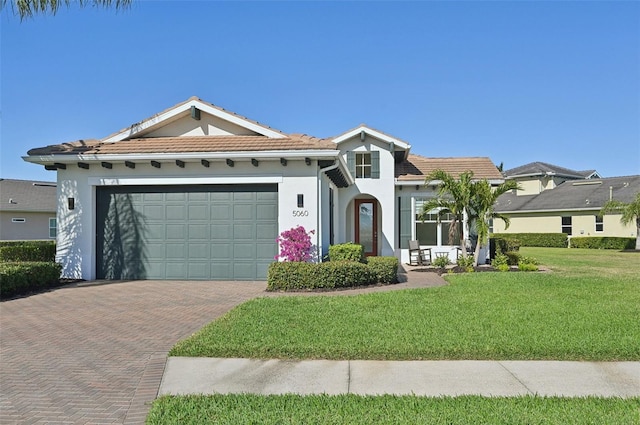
<point x="77" y="227"/>
<point x="381" y="189"/>
<point x="208" y="125"/>
<point x="529" y="187"/>
<point x="583" y="223"/>
<point x="35" y="226"/>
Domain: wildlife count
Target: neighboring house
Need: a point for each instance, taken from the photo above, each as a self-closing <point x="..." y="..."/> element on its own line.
<point x="572" y="207"/>
<point x="536" y="177"/>
<point x="27" y="210"/>
<point x="198" y="192"/>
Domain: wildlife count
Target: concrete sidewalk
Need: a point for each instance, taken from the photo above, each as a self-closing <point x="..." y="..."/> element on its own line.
<point x="185" y="375"/>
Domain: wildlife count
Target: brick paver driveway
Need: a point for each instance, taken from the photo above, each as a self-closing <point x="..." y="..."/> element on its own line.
<point x="95" y="354"/>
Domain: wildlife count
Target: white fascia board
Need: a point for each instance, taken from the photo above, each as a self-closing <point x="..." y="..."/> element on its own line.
<point x="345" y="170"/>
<point x="372" y="133"/>
<point x="161" y="181"/>
<point x="167" y="115"/>
<point x="549" y="211"/>
<point x="288" y="154"/>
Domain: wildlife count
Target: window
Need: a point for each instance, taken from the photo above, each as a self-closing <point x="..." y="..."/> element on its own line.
<point x="430" y="232"/>
<point x="53" y="228"/>
<point x="363" y="165"/>
<point x="599" y="223"/>
<point x="566" y="225"/>
<point x="18" y="220"/>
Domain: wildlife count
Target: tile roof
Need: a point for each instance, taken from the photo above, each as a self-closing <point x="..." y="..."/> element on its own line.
<point x="417" y="167"/>
<point x="27" y="195"/>
<point x="188" y="144"/>
<point x="573" y="195"/>
<point x="542" y="168"/>
<point x="189" y="100"/>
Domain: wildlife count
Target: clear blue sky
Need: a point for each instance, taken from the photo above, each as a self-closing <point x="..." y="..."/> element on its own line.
<point x="516" y="81"/>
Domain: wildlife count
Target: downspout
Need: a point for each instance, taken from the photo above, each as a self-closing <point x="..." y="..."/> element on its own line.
<point x="610" y="193"/>
<point x="319" y="208"/>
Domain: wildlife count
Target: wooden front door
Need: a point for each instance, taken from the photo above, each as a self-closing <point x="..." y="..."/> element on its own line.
<point x="366" y="225"/>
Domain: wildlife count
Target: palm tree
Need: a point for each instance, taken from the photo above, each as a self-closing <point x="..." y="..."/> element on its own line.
<point x="30" y="8"/>
<point x="453" y="198"/>
<point x="482" y="208"/>
<point x="630" y="213"/>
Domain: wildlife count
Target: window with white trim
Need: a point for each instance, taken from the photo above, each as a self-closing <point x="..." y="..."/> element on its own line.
<point x="599" y="223"/>
<point x="53" y="227"/>
<point x="566" y="225"/>
<point x="430" y="232"/>
<point x="363" y="165"/>
<point x="18" y="220"/>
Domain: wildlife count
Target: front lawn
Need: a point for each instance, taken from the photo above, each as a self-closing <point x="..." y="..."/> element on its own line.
<point x="350" y="409"/>
<point x="588" y="308"/>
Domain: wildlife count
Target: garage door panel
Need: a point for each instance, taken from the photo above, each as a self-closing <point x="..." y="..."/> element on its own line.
<point x="175" y="270"/>
<point x="266" y="231"/>
<point x="198" y="212"/>
<point x="199" y="232"/>
<point x="221" y="270"/>
<point x="175" y="212"/>
<point x="198" y="196"/>
<point x="221" y="251"/>
<point x="243" y="231"/>
<point x="153" y="212"/>
<point x="220" y="212"/>
<point x="150" y="197"/>
<point x="175" y="251"/>
<point x="244" y="270"/>
<point x="243" y="212"/>
<point x="155" y="250"/>
<point x="176" y="231"/>
<point x="267" y="212"/>
<point x="186" y="232"/>
<point x="199" y="251"/>
<point x="220" y="232"/>
<point x="155" y="232"/>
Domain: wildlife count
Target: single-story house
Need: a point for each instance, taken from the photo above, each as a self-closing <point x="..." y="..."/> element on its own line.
<point x="570" y="207"/>
<point x="27" y="210"/>
<point x="199" y="192"/>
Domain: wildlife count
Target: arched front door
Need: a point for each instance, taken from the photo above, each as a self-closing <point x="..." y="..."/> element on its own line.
<point x="366" y="220"/>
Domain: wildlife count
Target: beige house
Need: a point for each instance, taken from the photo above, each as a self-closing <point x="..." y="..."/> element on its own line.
<point x="558" y="200"/>
<point x="27" y="210"/>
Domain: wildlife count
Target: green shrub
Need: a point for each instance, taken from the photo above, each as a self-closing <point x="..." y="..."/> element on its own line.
<point x="346" y="252"/>
<point x="503" y="245"/>
<point x="286" y="276"/>
<point x="25" y="277"/>
<point x="500" y="262"/>
<point x="603" y="242"/>
<point x="529" y="260"/>
<point x="527" y="267"/>
<point x="550" y="240"/>
<point x="466" y="262"/>
<point x="385" y="268"/>
<point x="345" y="274"/>
<point x="28" y="251"/>
<point x="513" y="257"/>
<point x="442" y="262"/>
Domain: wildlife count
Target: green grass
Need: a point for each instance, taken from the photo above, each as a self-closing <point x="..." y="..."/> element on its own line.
<point x="588" y="308"/>
<point x="350" y="409"/>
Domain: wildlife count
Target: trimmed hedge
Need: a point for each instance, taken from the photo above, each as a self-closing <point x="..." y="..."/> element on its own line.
<point x="603" y="242"/>
<point x="288" y="276"/>
<point x="22" y="278"/>
<point x="28" y="251"/>
<point x="385" y="268"/>
<point x="346" y="252"/>
<point x="548" y="240"/>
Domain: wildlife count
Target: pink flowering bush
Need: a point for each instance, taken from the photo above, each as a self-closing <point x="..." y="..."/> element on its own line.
<point x="295" y="245"/>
